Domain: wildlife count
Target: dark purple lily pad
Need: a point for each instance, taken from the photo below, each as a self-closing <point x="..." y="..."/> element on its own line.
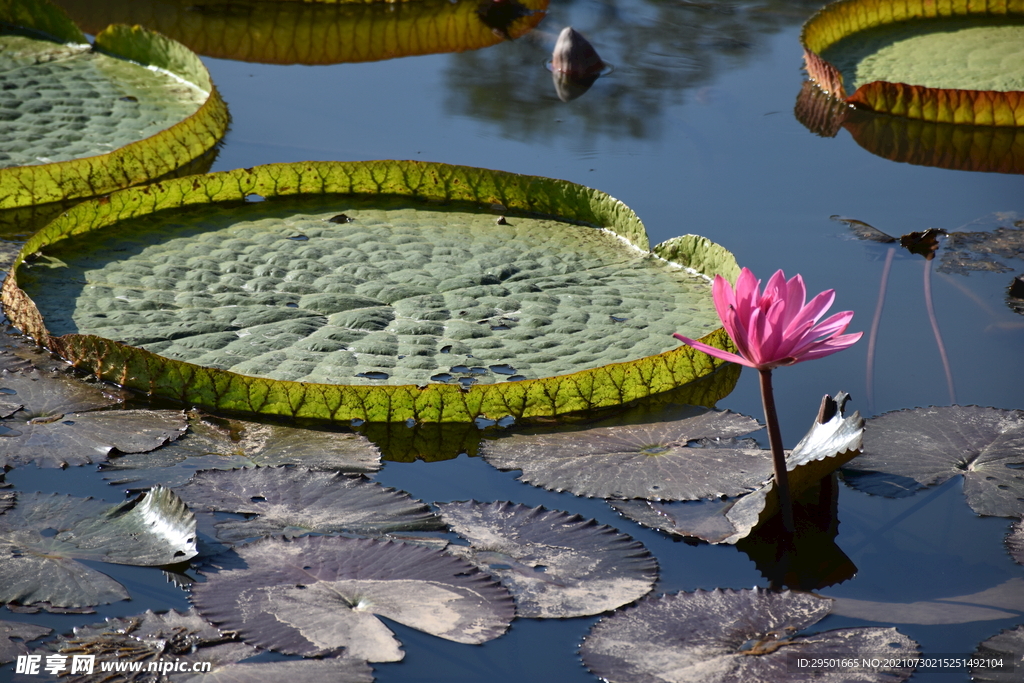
<point x="51" y="393"/>
<point x="43" y="535"/>
<point x="727" y="635"/>
<point x="318" y="595"/>
<point x="1004" y="647"/>
<point x="184" y="638"/>
<point x="908" y="450"/>
<point x="295" y="501"/>
<point x="14" y="635"/>
<point x="649" y="460"/>
<point x="554" y="563"/>
<point x="215" y="443"/>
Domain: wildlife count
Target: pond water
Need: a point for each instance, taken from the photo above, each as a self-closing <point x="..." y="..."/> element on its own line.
<point x="694" y="129"/>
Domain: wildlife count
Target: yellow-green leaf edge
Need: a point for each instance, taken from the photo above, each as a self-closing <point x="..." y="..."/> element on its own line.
<point x="606" y="386"/>
<point x="138" y="162"/>
<point x="845" y="17"/>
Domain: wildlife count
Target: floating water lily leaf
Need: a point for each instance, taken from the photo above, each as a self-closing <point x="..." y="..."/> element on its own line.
<point x="13" y="636"/>
<point x="312" y="32"/>
<point x="215" y="443"/>
<point x="555" y="564"/>
<point x="1006" y="646"/>
<point x="295" y="501"/>
<point x="639" y="461"/>
<point x="970" y="251"/>
<point x="1004" y="601"/>
<point x="183" y="637"/>
<point x="129" y="123"/>
<point x="42" y="535"/>
<point x="317" y="595"/>
<point x="335" y="670"/>
<point x="907" y="450"/>
<point x="727" y="635"/>
<point x="44" y="394"/>
<point x="953" y="62"/>
<point x="1015" y="541"/>
<point x="369" y="306"/>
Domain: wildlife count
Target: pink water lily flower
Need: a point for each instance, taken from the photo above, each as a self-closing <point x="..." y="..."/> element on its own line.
<point x="778" y="327"/>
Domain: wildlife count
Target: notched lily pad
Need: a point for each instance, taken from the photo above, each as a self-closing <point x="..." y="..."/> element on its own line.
<point x="727" y="635"/>
<point x="43" y="535"/>
<point x="420" y="307"/>
<point x="183" y="637"/>
<point x="1004" y="647"/>
<point x="317" y="595"/>
<point x="14" y="635"/>
<point x="554" y="563"/>
<point x="294" y="501"/>
<point x="224" y="444"/>
<point x="908" y="450"/>
<point x="81" y="120"/>
<point x="652" y="460"/>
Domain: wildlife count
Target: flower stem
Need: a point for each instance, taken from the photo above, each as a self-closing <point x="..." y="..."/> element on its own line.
<point x="771" y="419"/>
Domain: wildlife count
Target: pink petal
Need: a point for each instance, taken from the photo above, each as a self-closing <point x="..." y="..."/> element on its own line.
<point x="814" y="309"/>
<point x="713" y="351"/>
<point x="834" y="325"/>
<point x="830" y="346"/>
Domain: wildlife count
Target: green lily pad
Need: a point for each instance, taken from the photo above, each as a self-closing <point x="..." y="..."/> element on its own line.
<point x="536" y="298"/>
<point x="292" y="502"/>
<point x="14" y="635"/>
<point x="225" y="444"/>
<point x="317" y="596"/>
<point x="908" y="450"/>
<point x="181" y="637"/>
<point x="727" y="635"/>
<point x="316" y="32"/>
<point x="555" y="564"/>
<point x="949" y="62"/>
<point x="130" y="109"/>
<point x="43" y="535"/>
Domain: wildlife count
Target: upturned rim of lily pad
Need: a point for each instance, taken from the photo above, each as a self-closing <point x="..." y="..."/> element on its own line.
<point x="843" y="18"/>
<point x="605" y="386"/>
<point x="142" y="161"/>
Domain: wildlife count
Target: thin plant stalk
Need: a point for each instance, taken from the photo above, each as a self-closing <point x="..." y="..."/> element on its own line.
<point x="935" y="328"/>
<point x="875" y="322"/>
<point x="771" y="418"/>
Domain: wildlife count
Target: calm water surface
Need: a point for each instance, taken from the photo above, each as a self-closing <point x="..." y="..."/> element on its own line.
<point x="694" y="129"/>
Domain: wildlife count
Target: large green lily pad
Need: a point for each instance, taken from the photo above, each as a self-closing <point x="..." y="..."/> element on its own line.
<point x="953" y="62"/>
<point x="499" y="295"/>
<point x="81" y="120"/>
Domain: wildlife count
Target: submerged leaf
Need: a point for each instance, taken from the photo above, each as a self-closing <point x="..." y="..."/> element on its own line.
<point x="639" y="461"/>
<point x="182" y="637"/>
<point x="972" y="251"/>
<point x="13" y="635"/>
<point x="1004" y="601"/>
<point x="42" y="535"/>
<point x="293" y="502"/>
<point x="554" y="563"/>
<point x="907" y="450"/>
<point x="317" y="595"/>
<point x="727" y="635"/>
<point x="214" y="443"/>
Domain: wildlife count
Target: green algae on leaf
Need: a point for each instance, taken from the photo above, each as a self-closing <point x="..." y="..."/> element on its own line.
<point x="292" y="501"/>
<point x="133" y="107"/>
<point x="728" y="635"/>
<point x="908" y="450"/>
<point x="43" y="535"/>
<point x="956" y="62"/>
<point x="555" y="564"/>
<point x="435" y="311"/>
<point x="314" y="32"/>
<point x="318" y="596"/>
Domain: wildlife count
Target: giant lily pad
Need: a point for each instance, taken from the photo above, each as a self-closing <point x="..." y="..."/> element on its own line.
<point x="908" y="450"/>
<point x="134" y="107"/>
<point x="317" y="595"/>
<point x="371" y="307"/>
<point x="727" y="635"/>
<point x="956" y="62"/>
<point x="652" y="460"/>
<point x="224" y="444"/>
<point x="293" y="501"/>
<point x="315" y="32"/>
<point x="43" y="535"/>
<point x="554" y="564"/>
